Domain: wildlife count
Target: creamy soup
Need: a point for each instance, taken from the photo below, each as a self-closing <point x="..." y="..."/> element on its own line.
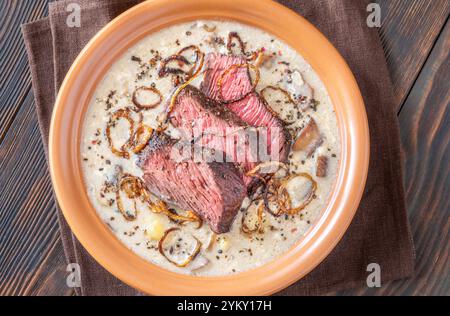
<point x="257" y="234"/>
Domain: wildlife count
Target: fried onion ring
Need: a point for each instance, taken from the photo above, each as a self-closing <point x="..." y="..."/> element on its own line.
<point x="275" y="191"/>
<point x="164" y="70"/>
<point x="147" y="106"/>
<point x="191" y="257"/>
<point x="231" y="36"/>
<point x="173" y="99"/>
<point x="132" y="188"/>
<point x="182" y="60"/>
<point x="288" y="96"/>
<point x="141" y="138"/>
<point x="282" y="190"/>
<point x="125" y="114"/>
<point x="285" y="93"/>
<point x="258" y="226"/>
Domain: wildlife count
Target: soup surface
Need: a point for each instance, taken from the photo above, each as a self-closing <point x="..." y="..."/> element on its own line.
<point x="260" y="231"/>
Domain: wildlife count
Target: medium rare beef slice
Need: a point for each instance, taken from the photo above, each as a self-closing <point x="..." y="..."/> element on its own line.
<point x="225" y="78"/>
<point x="214" y="191"/>
<point x="254" y="112"/>
<point x="206" y="124"/>
<point x="224" y="83"/>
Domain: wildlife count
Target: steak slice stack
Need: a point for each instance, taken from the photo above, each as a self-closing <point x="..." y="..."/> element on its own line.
<point x="213" y="190"/>
<point x="226" y="120"/>
<point x="207" y="124"/>
<point x="235" y="84"/>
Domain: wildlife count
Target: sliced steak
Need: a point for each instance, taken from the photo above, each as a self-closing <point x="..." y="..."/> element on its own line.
<point x="207" y="124"/>
<point x="251" y="109"/>
<point x="235" y="84"/>
<point x="212" y="190"/>
<point x="254" y="112"/>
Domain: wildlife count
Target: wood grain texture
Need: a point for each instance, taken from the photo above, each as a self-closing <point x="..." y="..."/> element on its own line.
<point x="425" y="135"/>
<point x="28" y="223"/>
<point x="31" y="256"/>
<point x="50" y="278"/>
<point x="408" y="33"/>
<point x="15" y="81"/>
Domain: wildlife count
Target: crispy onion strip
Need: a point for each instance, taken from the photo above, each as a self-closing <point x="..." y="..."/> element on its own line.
<point x="212" y="241"/>
<point x="275" y="214"/>
<point x="129" y="217"/>
<point x="235" y="67"/>
<point x="209" y="29"/>
<point x="141" y="138"/>
<point x="231" y="36"/>
<point x="266" y="164"/>
<point x="132" y="187"/>
<point x="141" y="106"/>
<point x="254" y="56"/>
<point x="195" y="218"/>
<point x="125" y="114"/>
<point x="135" y="188"/>
<point x="164" y="70"/>
<point x="258" y="226"/>
<point x="272" y="196"/>
<point x="191" y="257"/>
<point x="276" y="191"/>
<point x="255" y="172"/>
<point x="259" y="57"/>
<point x="195" y="48"/>
<point x="285" y="93"/>
<point x="182" y="60"/>
<point x="282" y="190"/>
<point x="173" y="99"/>
<point x="161" y="207"/>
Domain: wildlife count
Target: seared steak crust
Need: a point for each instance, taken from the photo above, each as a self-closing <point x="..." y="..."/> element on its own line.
<point x="214" y="191"/>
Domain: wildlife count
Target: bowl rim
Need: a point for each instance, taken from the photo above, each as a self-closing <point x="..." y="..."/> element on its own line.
<point x="127" y="29"/>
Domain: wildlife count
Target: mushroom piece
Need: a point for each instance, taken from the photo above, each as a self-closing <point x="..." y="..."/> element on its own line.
<point x="321" y="166"/>
<point x="309" y="138"/>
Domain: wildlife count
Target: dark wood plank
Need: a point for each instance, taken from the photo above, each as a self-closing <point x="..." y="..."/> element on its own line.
<point x="425" y="135"/>
<point x="28" y="222"/>
<point x="50" y="279"/>
<point x="15" y="80"/>
<point x="27" y="219"/>
<point x="408" y="33"/>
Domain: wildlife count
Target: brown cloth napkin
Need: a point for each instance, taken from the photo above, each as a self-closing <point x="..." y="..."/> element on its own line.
<point x="379" y="232"/>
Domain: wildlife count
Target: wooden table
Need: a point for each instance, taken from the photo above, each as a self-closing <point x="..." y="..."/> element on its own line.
<point x="416" y="39"/>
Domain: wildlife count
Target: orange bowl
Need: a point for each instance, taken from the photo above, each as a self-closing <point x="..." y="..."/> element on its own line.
<point x="110" y="43"/>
